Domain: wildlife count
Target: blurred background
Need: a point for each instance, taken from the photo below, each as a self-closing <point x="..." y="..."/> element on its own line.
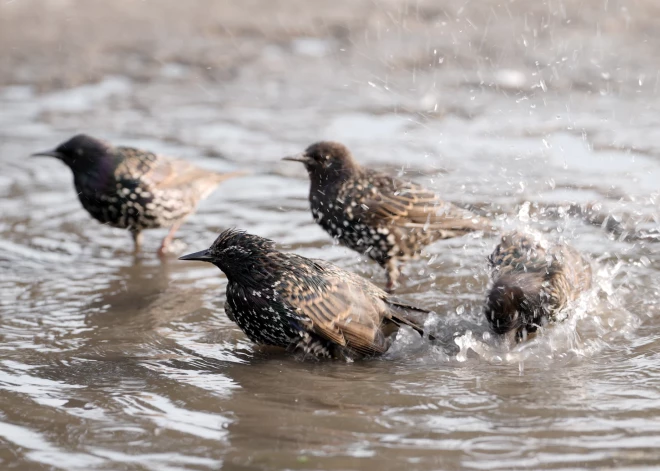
<point x="109" y="361"/>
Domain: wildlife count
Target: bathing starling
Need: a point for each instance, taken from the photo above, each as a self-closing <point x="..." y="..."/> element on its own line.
<point x="532" y="282"/>
<point x="386" y="218"/>
<point x="290" y="301"/>
<point x="132" y="188"/>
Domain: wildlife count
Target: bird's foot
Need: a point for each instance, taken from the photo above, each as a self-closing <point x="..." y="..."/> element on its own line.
<point x="165" y="246"/>
<point x="171" y="247"/>
<point x="137" y="241"/>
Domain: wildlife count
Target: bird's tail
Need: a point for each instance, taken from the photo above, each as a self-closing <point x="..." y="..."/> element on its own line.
<point x="221" y="177"/>
<point x="403" y="313"/>
<point x="212" y="182"/>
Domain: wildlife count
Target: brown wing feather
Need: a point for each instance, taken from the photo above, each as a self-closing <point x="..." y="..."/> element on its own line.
<point x="574" y="266"/>
<point x="340" y="314"/>
<point x="350" y="312"/>
<point x="365" y="340"/>
<point x="167" y="173"/>
<point x="409" y="205"/>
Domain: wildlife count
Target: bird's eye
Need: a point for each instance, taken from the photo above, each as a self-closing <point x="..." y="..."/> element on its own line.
<point x="79" y="151"/>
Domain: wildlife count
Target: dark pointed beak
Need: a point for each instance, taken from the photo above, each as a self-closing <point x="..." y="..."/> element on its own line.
<point x="202" y="256"/>
<point x="47" y="153"/>
<point x="302" y="157"/>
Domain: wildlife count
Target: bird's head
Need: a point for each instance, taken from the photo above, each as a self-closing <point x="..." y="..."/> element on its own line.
<point x="507" y="305"/>
<point x="79" y="152"/>
<point x="326" y="160"/>
<point x="241" y="256"/>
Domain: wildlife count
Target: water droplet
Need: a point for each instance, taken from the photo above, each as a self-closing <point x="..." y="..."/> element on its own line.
<point x="523" y="213"/>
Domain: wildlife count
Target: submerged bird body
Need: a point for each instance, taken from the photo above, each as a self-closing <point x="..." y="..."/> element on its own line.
<point x="533" y="281"/>
<point x="388" y="219"/>
<point x="293" y="302"/>
<point x="134" y="189"/>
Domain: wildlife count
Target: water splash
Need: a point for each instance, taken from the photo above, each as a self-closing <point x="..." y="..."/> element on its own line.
<point x="593" y="321"/>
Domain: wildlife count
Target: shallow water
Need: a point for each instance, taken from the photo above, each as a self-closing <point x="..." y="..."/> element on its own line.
<point x="110" y="361"/>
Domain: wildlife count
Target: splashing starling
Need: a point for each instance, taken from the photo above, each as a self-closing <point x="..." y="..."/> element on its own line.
<point x="386" y="218"/>
<point x="135" y="189"/>
<point x="290" y="301"/>
<point x="533" y="281"/>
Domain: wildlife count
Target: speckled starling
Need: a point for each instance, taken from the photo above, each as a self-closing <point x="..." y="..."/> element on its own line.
<point x="386" y="218"/>
<point x="297" y="303"/>
<point x="134" y="189"/>
<point x="533" y="281"/>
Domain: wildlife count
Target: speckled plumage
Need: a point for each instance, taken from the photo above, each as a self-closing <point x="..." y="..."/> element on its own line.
<point x="388" y="219"/>
<point x="533" y="280"/>
<point x="293" y="302"/>
<point x="134" y="189"/>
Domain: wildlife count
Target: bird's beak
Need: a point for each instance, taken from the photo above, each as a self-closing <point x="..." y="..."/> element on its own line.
<point x="47" y="153"/>
<point x="203" y="256"/>
<point x="302" y="157"/>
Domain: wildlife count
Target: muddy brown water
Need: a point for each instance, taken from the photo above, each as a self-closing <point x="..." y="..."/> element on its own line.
<point x="115" y="362"/>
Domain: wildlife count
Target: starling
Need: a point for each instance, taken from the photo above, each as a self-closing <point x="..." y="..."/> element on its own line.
<point x="386" y="218"/>
<point x="132" y="188"/>
<point x="297" y="303"/>
<point x="532" y="282"/>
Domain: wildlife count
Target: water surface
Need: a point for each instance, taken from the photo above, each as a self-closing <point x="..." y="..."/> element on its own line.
<point x="110" y="361"/>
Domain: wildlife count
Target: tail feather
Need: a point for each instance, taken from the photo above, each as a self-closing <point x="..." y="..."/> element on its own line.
<point x="216" y="178"/>
<point x="402" y="313"/>
<point x="221" y="177"/>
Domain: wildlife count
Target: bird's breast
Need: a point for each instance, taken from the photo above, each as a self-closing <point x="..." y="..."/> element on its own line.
<point x="262" y="317"/>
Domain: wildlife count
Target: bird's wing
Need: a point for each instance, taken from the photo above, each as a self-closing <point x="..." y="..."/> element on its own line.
<point x="339" y="309"/>
<point x="165" y="173"/>
<point x="409" y="205"/>
<point x="350" y="311"/>
<point x="575" y="265"/>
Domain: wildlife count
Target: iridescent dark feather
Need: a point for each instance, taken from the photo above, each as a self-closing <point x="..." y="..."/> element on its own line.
<point x="294" y="302"/>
